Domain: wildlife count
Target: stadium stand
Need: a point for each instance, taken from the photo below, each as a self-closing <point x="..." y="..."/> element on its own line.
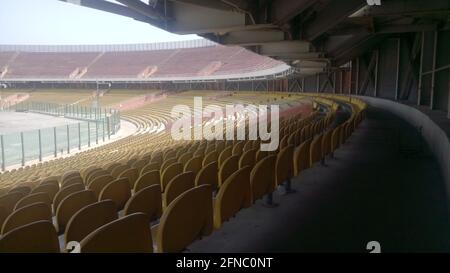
<point x="175" y="175"/>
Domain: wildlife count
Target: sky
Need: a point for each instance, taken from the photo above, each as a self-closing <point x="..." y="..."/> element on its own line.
<point x="49" y="22"/>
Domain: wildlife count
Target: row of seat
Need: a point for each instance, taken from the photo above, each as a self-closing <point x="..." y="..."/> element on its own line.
<point x="238" y="171"/>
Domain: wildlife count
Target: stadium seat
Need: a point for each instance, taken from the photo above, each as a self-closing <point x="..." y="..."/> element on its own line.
<point x="94" y="174"/>
<point x="150" y="167"/>
<point x="22" y="189"/>
<point x="118" y="170"/>
<point x="194" y="165"/>
<point x="262" y="177"/>
<point x="301" y="157"/>
<point x="9" y="201"/>
<point x="70" y="205"/>
<point x="50" y="189"/>
<point x="233" y="195"/>
<point x="210" y="157"/>
<point x="179" y="184"/>
<point x="315" y="153"/>
<point x="147" y="179"/>
<point x="99" y="183"/>
<point x="40" y="197"/>
<point x="226" y="153"/>
<point x="64" y="192"/>
<point x="23" y="239"/>
<point x="248" y="158"/>
<point x="132" y="174"/>
<point x="208" y="175"/>
<point x="187" y="218"/>
<point x="27" y="215"/>
<point x="127" y="234"/>
<point x="147" y="200"/>
<point x="169" y="173"/>
<point x="118" y="190"/>
<point x="72" y="181"/>
<point x="88" y="219"/>
<point x="229" y="166"/>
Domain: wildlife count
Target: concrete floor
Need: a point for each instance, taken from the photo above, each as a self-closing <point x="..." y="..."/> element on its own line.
<point x="383" y="186"/>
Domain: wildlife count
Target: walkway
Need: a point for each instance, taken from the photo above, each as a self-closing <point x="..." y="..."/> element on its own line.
<point x="382" y="186"/>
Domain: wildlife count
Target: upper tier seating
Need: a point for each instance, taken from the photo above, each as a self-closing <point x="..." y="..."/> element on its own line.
<point x="167" y="63"/>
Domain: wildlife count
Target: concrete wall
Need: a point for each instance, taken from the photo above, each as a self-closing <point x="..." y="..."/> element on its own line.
<point x="435" y="137"/>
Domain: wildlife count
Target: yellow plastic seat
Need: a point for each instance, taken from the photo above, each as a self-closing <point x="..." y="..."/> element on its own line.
<point x="25" y="190"/>
<point x="118" y="190"/>
<point x="88" y="219"/>
<point x="50" y="189"/>
<point x="179" y="184"/>
<point x="210" y="157"/>
<point x="228" y="167"/>
<point x="248" y="158"/>
<point x="208" y="175"/>
<point x="233" y="195"/>
<point x="9" y="201"/>
<point x="147" y="200"/>
<point x="194" y="165"/>
<point x="99" y="183"/>
<point x="262" y="177"/>
<point x="224" y="155"/>
<point x="150" y="167"/>
<point x="284" y="165"/>
<point x="301" y="157"/>
<point x="118" y="170"/>
<point x="132" y="174"/>
<point x="63" y="192"/>
<point x="130" y="233"/>
<point x="23" y="239"/>
<point x="71" y="181"/>
<point x="187" y="218"/>
<point x="169" y="173"/>
<point x="147" y="179"/>
<point x="40" y="197"/>
<point x="70" y="205"/>
<point x="315" y="153"/>
<point x="26" y="215"/>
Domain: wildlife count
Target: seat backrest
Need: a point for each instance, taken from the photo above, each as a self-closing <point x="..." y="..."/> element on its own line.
<point x="260" y="155"/>
<point x="34" y="198"/>
<point x="179" y="184"/>
<point x="118" y="170"/>
<point x="24" y="239"/>
<point x="9" y="201"/>
<point x="22" y="189"/>
<point x="146" y="200"/>
<point x="88" y="219"/>
<point x="301" y="157"/>
<point x="147" y="179"/>
<point x="210" y="157"/>
<point x="208" y="175"/>
<point x="248" y="158"/>
<point x="155" y="166"/>
<point x="26" y="215"/>
<point x="69" y="175"/>
<point x="72" y="181"/>
<point x="140" y="164"/>
<point x="50" y="189"/>
<point x="224" y="155"/>
<point x="97" y="173"/>
<point x="71" y="204"/>
<point x="315" y="152"/>
<point x="284" y="167"/>
<point x="262" y="177"/>
<point x="167" y="163"/>
<point x="228" y="167"/>
<point x="66" y="191"/>
<point x="184" y="158"/>
<point x="238" y="148"/>
<point x="130" y="233"/>
<point x="335" y="137"/>
<point x="132" y="174"/>
<point x="194" y="165"/>
<point x="118" y="190"/>
<point x="187" y="218"/>
<point x="99" y="183"/>
<point x="233" y="195"/>
<point x="52" y="180"/>
<point x="169" y="173"/>
<point x="326" y="143"/>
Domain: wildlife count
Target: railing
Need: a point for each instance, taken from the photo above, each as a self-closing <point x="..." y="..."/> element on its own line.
<point x="89" y="126"/>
